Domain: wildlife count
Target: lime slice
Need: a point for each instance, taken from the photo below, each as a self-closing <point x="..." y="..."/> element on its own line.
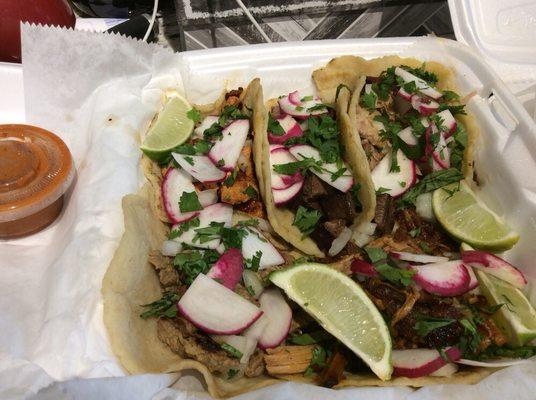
<point x="171" y="129"/>
<point x="466" y="218"/>
<point x="517" y="317"/>
<point x="343" y="309"/>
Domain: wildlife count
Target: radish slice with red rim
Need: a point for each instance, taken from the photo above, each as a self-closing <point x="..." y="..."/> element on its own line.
<point x="254" y="242"/>
<point x="423" y="105"/>
<point x="301" y="106"/>
<point x="226" y="151"/>
<point x="228" y="269"/>
<point x="291" y="127"/>
<point x="496" y="266"/>
<point x="441" y="154"/>
<point x="208" y="197"/>
<point x="279" y="316"/>
<point x="207" y="122"/>
<point x="283" y="196"/>
<point x="245" y="345"/>
<point x="218" y="212"/>
<point x="394" y="183"/>
<point x="215" y="309"/>
<point x="343" y="183"/>
<point x="200" y="167"/>
<point x="175" y="183"/>
<point x="414" y="363"/>
<point x="449" y="122"/>
<point x="405" y="95"/>
<point x="419" y="258"/>
<point x="421" y="84"/>
<point x="407" y="136"/>
<point x="281" y="155"/>
<point x="449" y="278"/>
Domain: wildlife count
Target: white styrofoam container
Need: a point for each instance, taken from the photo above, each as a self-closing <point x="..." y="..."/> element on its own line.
<point x="506" y="150"/>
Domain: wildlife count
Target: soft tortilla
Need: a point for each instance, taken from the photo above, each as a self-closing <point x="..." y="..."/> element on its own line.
<point x="347" y="70"/>
<point x="282" y="218"/>
<point x="131" y="281"/>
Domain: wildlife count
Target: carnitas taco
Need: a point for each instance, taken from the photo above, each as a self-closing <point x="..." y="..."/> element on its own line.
<point x="315" y="181"/>
<point x="201" y="280"/>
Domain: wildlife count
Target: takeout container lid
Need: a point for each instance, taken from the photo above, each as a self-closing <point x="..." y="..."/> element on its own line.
<point x="503" y="31"/>
<point x="36" y="169"/>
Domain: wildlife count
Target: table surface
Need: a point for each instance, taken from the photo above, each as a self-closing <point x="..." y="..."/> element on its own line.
<point x="415" y="19"/>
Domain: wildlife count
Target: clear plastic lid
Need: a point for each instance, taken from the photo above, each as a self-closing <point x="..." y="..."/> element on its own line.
<point x="36" y="169"/>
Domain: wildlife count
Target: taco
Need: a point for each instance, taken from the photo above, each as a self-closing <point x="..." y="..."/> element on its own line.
<point x="315" y="181"/>
<point x="189" y="287"/>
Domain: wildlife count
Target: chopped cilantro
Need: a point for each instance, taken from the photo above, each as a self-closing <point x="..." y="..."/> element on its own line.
<point x="426" y="324"/>
<point x="232" y="373"/>
<point x="320" y="106"/>
<point x="415" y="232"/>
<point x="230" y="237"/>
<point x="382" y="190"/>
<point x="317" y="361"/>
<point x="189" y="160"/>
<point x="194" y="115"/>
<point x="248" y="222"/>
<point x="429" y="183"/>
<point x="299" y="108"/>
<point x="254" y="263"/>
<point x="251" y="192"/>
<point x="420" y="72"/>
<point x="395" y="275"/>
<point x="375" y="254"/>
<point x="189" y="202"/>
<point x="166" y="307"/>
<point x="424" y="247"/>
<point x="195" y="262"/>
<point x="183" y="227"/>
<point x="449" y="95"/>
<point x="220" y="163"/>
<point x="368" y="101"/>
<point x="305" y="339"/>
<point x="306" y="98"/>
<point x="229" y="181"/>
<point x="385" y="83"/>
<point x="337" y="174"/>
<point x="274" y="127"/>
<point x="402" y="183"/>
<point x="410" y="87"/>
<point x="323" y="134"/>
<point x="306" y="219"/>
<point x="454" y="109"/>
<point x="214" y="131"/>
<point x="230" y="113"/>
<point x="250" y="290"/>
<point x="292" y="167"/>
<point x="232" y="351"/>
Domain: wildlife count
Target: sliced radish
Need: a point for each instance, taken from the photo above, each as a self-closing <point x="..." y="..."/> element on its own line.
<point x="407" y="136"/>
<point x="170" y="248"/>
<point x="423" y="105"/>
<point x="396" y="183"/>
<point x="281" y="155"/>
<point x="255" y="331"/>
<point x="252" y="282"/>
<point x="175" y="183"/>
<point x="243" y="344"/>
<point x="279" y="316"/>
<point x="293" y="105"/>
<point x="200" y="167"/>
<point x="498" y="363"/>
<point x="441" y="154"/>
<point x="419" y="258"/>
<point x="496" y="266"/>
<point x="448" y="369"/>
<point x="449" y="122"/>
<point x="405" y="95"/>
<point x="421" y="84"/>
<point x="215" y="309"/>
<point x="228" y="269"/>
<point x="254" y="242"/>
<point x="283" y="196"/>
<point x="204" y="125"/>
<point x="226" y="150"/>
<point x="291" y="128"/>
<point x="414" y="363"/>
<point x="208" y="197"/>
<point x="449" y="278"/>
<point x="218" y="212"/>
<point x="364" y="268"/>
<point x="343" y="183"/>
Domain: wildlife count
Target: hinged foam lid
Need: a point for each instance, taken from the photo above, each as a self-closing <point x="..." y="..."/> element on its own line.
<point x="503" y="30"/>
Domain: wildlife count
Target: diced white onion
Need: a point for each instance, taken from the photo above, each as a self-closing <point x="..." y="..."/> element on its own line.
<point x="171" y="248"/>
<point x="423" y="204"/>
<point x="361" y="239"/>
<point x="419" y="258"/>
<point x="367" y="228"/>
<point x="252" y="280"/>
<point x="340" y="241"/>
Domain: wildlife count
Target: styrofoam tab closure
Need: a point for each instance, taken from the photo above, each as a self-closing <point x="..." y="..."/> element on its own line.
<point x="501" y="113"/>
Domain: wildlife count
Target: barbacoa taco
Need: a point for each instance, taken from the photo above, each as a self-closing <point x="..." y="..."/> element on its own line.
<point x="315" y="180"/>
<point x="201" y="280"/>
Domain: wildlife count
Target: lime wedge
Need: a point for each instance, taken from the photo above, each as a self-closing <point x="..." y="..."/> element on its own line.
<point x="171" y="129"/>
<point x="517" y="317"/>
<point x="466" y="218"/>
<point x="343" y="309"/>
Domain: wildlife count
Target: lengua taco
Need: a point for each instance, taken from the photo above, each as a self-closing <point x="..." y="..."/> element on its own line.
<point x="201" y="281"/>
<point x="315" y="181"/>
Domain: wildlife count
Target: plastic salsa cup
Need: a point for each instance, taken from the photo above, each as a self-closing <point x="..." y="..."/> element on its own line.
<point x="36" y="169"/>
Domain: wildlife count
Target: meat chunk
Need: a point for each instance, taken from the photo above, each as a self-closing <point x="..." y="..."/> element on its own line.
<point x="285" y="360"/>
<point x="338" y="205"/>
<point x="384" y="216"/>
<point x="167" y="274"/>
<point x="332" y="374"/>
<point x="335" y="227"/>
<point x="313" y="189"/>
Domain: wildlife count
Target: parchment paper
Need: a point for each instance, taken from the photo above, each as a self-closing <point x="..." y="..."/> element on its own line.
<point x="98" y="92"/>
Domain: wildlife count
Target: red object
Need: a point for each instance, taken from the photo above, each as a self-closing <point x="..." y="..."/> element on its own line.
<point x="13" y="12"/>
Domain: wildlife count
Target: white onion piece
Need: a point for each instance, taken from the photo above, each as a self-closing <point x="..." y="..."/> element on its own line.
<point x="252" y="280"/>
<point x="361" y="239"/>
<point x="367" y="228"/>
<point x="340" y="241"/>
<point x="446" y="370"/>
<point x="498" y="363"/>
<point x="423" y="204"/>
<point x="418" y="258"/>
<point x="171" y="248"/>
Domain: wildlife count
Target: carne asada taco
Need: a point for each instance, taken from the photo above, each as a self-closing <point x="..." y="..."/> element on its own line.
<point x="315" y="181"/>
<point x="202" y="281"/>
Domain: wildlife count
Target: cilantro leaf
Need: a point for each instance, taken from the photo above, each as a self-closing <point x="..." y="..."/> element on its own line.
<point x="306" y="219"/>
<point x="420" y="72"/>
<point x="254" y="263"/>
<point x="232" y="351"/>
<point x="429" y="183"/>
<point x="251" y="192"/>
<point x="194" y="263"/>
<point x="309" y="338"/>
<point x="166" y="307"/>
<point x="375" y="254"/>
<point x="183" y="227"/>
<point x="449" y="95"/>
<point x="454" y="109"/>
<point x="232" y="373"/>
<point x="194" y="115"/>
<point x="189" y="202"/>
<point x="426" y="324"/>
<point x="230" y="180"/>
<point x="317" y="361"/>
<point x="213" y="132"/>
<point x="395" y="275"/>
<point x="274" y="127"/>
<point x="368" y="100"/>
<point x="230" y="113"/>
